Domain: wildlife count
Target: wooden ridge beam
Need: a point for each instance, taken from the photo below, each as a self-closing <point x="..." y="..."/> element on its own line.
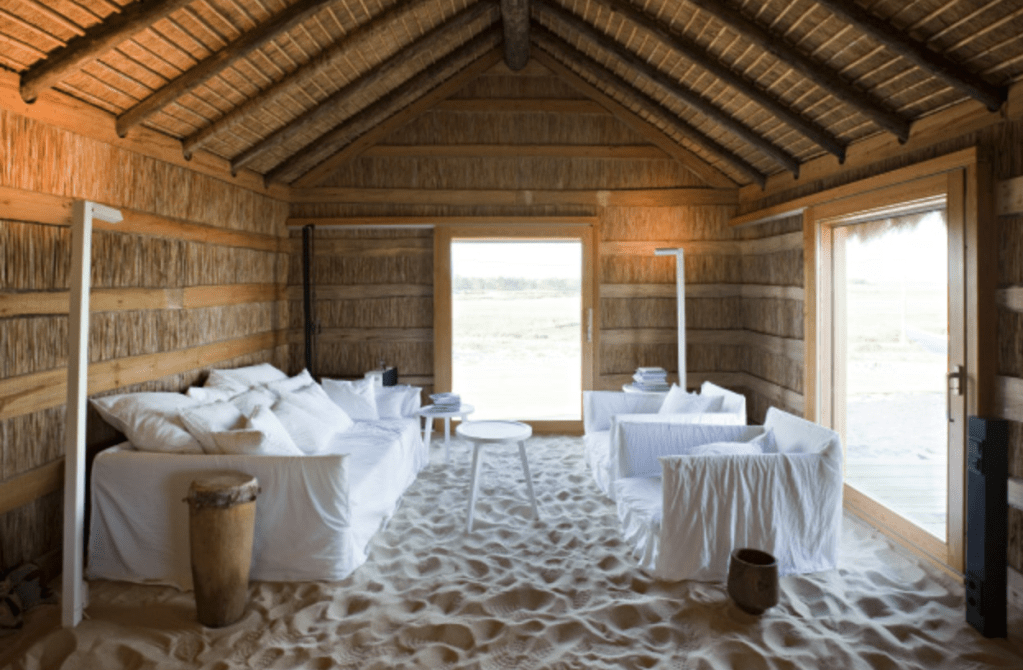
<point x="359" y="88"/>
<point x="658" y="197"/>
<point x="214" y="63"/>
<point x="556" y="46"/>
<point x="404" y="95"/>
<point x="515" y="23"/>
<point x="35" y="392"/>
<point x="823" y="76"/>
<point x="620" y="151"/>
<point x="934" y="63"/>
<point x="97" y="40"/>
<point x="520" y="106"/>
<point x="668" y="85"/>
<point x="360" y="37"/>
<point x="689" y="49"/>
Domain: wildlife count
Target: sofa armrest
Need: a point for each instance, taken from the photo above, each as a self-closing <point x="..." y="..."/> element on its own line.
<point x="638" y="441"/>
<point x="789" y="505"/>
<point x="600" y="406"/>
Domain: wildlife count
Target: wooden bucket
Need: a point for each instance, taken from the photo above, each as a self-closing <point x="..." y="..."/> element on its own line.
<point x="222" y="517"/>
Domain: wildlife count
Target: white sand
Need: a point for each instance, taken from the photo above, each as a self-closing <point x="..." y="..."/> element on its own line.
<point x="558" y="593"/>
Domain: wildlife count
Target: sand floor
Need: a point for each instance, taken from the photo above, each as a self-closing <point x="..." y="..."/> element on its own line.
<point x="561" y="592"/>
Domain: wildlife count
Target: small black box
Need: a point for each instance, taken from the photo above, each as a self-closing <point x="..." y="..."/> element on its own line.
<point x="390" y="376"/>
<point x="987" y="473"/>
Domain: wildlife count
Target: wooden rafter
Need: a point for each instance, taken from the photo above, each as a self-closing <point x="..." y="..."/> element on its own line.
<point x="666" y="84"/>
<point x="96" y="41"/>
<point x="711" y="175"/>
<point x="932" y="62"/>
<point x="306" y="158"/>
<point x="554" y="45"/>
<point x="387" y="126"/>
<point x="515" y="21"/>
<point x="361" y="37"/>
<point x="426" y="45"/>
<point x="216" y="62"/>
<point x="823" y="76"/>
<point x="693" y="52"/>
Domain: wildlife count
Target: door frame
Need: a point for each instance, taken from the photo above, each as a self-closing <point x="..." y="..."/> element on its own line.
<point x="962" y="179"/>
<point x="445" y="234"/>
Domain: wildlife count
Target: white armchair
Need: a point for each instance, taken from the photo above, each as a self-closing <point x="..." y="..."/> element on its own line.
<point x="685" y="523"/>
<point x="605" y="412"/>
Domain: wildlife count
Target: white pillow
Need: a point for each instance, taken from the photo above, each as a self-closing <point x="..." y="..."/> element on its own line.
<point x="263" y="435"/>
<point x="309" y="433"/>
<point x="679" y="402"/>
<point x="207" y="394"/>
<point x="726" y="449"/>
<point x="395" y="402"/>
<point x="218" y="383"/>
<point x="253" y="398"/>
<point x="315" y="400"/>
<point x="150" y="421"/>
<point x="204" y="420"/>
<point x="282" y="386"/>
<point x="252" y="375"/>
<point x="358" y="399"/>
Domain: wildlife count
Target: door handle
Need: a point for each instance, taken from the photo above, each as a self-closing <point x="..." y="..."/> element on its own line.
<point x="956" y="380"/>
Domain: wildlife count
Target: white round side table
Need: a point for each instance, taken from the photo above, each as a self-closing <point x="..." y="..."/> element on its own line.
<point x="430" y="412"/>
<point x="482" y="433"/>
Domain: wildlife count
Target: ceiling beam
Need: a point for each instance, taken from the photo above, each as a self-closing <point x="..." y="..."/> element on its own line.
<point x="917" y="53"/>
<point x="693" y="52"/>
<point x="362" y="86"/>
<point x="515" y="20"/>
<point x="382" y="128"/>
<point x="305" y="159"/>
<point x="596" y="151"/>
<point x="361" y="37"/>
<point x="711" y="175"/>
<point x="216" y="62"/>
<point x="554" y="45"/>
<point x="96" y="41"/>
<point x="824" y="77"/>
<point x="666" y="84"/>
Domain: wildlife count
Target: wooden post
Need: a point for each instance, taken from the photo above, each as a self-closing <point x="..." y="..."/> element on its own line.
<point x="680" y="281"/>
<point x="73" y="587"/>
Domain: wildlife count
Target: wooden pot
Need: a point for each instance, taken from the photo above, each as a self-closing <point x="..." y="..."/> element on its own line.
<point x="753" y="580"/>
<point x="222" y="517"/>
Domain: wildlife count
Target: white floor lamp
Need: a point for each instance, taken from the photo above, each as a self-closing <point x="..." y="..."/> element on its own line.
<point x="73" y="587"/>
<point x="680" y="280"/>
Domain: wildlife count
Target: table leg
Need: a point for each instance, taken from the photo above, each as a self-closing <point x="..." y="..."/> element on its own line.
<point x="427" y="431"/>
<point x="529" y="479"/>
<point x="474" y="485"/>
<point x="447" y="439"/>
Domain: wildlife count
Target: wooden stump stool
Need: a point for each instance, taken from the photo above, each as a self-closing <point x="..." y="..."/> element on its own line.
<point x="222" y="517"/>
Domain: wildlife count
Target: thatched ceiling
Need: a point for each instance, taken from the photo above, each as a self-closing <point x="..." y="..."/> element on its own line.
<point x="754" y="87"/>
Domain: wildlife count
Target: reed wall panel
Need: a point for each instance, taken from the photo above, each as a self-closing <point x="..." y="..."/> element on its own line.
<point x="625" y="358"/>
<point x="1010" y="250"/>
<point x="638" y="313"/>
<point x="661" y="270"/>
<point x="784" y="268"/>
<point x="1015" y="449"/>
<point x="352" y="359"/>
<point x="774" y="316"/>
<point x="1010" y="343"/>
<point x="32" y="531"/>
<point x="776" y="369"/>
<point x="630" y="224"/>
<point x="380" y="312"/>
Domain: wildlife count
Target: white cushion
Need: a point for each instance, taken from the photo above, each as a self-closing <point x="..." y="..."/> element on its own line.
<point x="207" y="394"/>
<point x="252" y="375"/>
<point x="679" y="402"/>
<point x="729" y="448"/>
<point x="358" y="399"/>
<point x="150" y="421"/>
<point x="263" y="434"/>
<point x="290" y="384"/>
<point x="395" y="402"/>
<point x="309" y="433"/>
<point x="255" y="397"/>
<point x="204" y="420"/>
<point x="315" y="400"/>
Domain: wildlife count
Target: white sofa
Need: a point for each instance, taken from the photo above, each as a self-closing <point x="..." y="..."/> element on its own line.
<point x="315" y="514"/>
<point x="684" y="522"/>
<point x="606" y="412"/>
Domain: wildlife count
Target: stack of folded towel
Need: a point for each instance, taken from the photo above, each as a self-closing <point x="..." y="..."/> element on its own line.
<point x="446" y="402"/>
<point x="650" y="379"/>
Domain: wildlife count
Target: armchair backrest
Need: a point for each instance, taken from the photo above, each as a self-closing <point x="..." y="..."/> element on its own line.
<point x="600" y="406"/>
<point x="795" y="435"/>
<point x="733" y="403"/>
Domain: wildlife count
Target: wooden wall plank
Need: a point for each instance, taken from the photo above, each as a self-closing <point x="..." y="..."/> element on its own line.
<point x="129" y="299"/>
<point x="701" y="291"/>
<point x="364" y="291"/>
<point x="782" y="346"/>
<point x="431" y="221"/>
<point x="1010" y="298"/>
<point x="33" y="484"/>
<point x="1009" y="398"/>
<point x="659" y="197"/>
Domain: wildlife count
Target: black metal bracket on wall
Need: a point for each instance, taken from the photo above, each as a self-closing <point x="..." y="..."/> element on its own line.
<point x="307" y="297"/>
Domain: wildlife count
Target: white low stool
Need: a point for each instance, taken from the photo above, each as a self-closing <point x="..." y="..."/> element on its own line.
<point x="481" y="433"/>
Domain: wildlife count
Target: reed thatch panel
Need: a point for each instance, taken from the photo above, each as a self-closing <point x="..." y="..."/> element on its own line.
<point x="625" y="358"/>
<point x="30" y="531"/>
<point x="399" y="209"/>
<point x="791" y="224"/>
<point x="776" y="369"/>
<point x="120" y="260"/>
<point x="524" y="172"/>
<point x="352" y="359"/>
<point x="1010" y="250"/>
<point x="774" y="316"/>
<point x="638" y="313"/>
<point x="33" y="344"/>
<point x="714" y="313"/>
<point x="1010" y="343"/>
<point x="661" y="270"/>
<point x="376" y="313"/>
<point x="714" y="358"/>
<point x="209" y="264"/>
<point x="32" y="440"/>
<point x="378" y="270"/>
<point x="626" y="224"/>
<point x="34" y="257"/>
<point x="784" y="268"/>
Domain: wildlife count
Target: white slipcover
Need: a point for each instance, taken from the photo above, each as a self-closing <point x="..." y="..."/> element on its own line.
<point x="315" y="515"/>
<point x="686" y="523"/>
